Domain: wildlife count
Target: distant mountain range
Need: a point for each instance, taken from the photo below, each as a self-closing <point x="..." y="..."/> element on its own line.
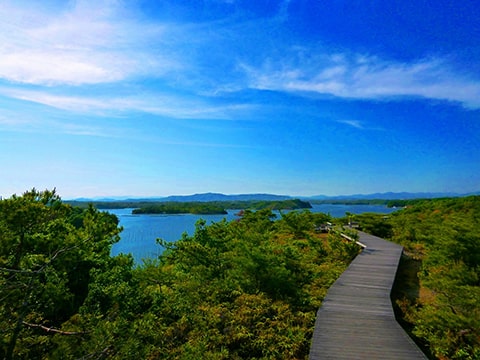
<point x="205" y="197"/>
<point x="222" y="197"/>
<point x="391" y="196"/>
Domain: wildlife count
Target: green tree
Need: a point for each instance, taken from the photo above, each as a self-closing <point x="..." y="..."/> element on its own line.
<point x="46" y="261"/>
<point x="444" y="235"/>
<point x="247" y="289"/>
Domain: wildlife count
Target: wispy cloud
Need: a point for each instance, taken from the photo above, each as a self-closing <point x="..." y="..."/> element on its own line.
<point x="353" y="123"/>
<point x="156" y="104"/>
<point x="53" y="57"/>
<point x="362" y="77"/>
<point x="360" y="125"/>
<point x="58" y="57"/>
<point x="42" y="126"/>
<point x="83" y="43"/>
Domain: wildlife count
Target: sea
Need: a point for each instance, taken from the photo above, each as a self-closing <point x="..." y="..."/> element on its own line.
<point x="141" y="231"/>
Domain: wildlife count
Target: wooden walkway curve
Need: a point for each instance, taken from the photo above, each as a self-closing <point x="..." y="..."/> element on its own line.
<point x="356" y="319"/>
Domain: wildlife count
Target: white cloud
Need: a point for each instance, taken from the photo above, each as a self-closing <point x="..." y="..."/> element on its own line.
<point x="39" y="67"/>
<point x="364" y="77"/>
<point x="87" y="43"/>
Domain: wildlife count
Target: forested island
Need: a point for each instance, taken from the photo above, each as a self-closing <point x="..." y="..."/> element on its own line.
<point x="233" y="290"/>
<point x="194" y="207"/>
<point x="181" y="208"/>
<point x="218" y="207"/>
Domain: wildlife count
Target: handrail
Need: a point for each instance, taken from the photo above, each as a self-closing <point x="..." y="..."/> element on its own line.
<point x="353" y="240"/>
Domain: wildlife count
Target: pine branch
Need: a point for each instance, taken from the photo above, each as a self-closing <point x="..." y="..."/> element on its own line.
<point x="56" y="331"/>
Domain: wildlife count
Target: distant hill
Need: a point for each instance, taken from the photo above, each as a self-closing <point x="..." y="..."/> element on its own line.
<point x="204" y="197"/>
<point x="389" y="196"/>
<point x="222" y="197"/>
<point x="207" y="197"/>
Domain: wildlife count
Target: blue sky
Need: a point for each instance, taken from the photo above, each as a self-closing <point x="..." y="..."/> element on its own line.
<point x="299" y="97"/>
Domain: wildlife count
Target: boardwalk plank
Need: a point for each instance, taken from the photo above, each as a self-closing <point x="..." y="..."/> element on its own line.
<point x="356" y="319"/>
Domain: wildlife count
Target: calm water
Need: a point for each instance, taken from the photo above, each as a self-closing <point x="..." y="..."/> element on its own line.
<point x="141" y="231"/>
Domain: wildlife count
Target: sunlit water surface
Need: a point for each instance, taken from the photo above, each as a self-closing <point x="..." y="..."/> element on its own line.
<point x="141" y="231"/>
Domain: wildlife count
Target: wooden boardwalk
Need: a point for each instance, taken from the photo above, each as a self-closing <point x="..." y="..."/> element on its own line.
<point x="356" y="319"/>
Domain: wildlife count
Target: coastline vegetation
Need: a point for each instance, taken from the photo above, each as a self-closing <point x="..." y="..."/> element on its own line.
<point x="202" y="208"/>
<point x="350" y="201"/>
<point x="248" y="288"/>
<point x="438" y="290"/>
<point x="219" y="207"/>
<point x="195" y="207"/>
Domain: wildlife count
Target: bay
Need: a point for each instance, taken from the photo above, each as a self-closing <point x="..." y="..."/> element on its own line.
<point x="141" y="231"/>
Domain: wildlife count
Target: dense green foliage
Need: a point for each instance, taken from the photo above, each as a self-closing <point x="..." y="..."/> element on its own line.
<point x="444" y="234"/>
<point x="408" y="202"/>
<point x="290" y="204"/>
<point x="218" y="207"/>
<point x="50" y="254"/>
<point x="351" y="201"/>
<point x="247" y="289"/>
<point x="181" y="208"/>
<point x="195" y="207"/>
